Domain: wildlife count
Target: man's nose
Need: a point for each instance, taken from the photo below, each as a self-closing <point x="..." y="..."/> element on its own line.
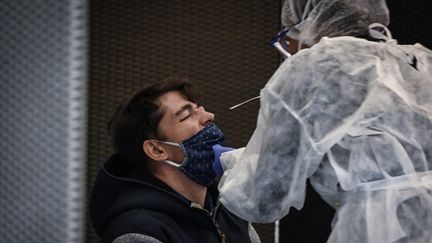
<point x="206" y="117"/>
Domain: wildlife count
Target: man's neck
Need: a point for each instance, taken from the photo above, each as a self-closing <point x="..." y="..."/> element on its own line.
<point x="182" y="184"/>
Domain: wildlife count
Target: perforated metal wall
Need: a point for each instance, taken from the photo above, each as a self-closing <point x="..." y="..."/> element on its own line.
<point x="42" y="120"/>
<point x="223" y="46"/>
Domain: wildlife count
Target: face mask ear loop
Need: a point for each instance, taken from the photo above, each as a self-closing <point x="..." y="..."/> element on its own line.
<point x="282" y="50"/>
<point x="166" y="142"/>
<point x="170" y="162"/>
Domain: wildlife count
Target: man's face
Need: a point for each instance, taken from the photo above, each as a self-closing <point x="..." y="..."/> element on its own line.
<point x="182" y="118"/>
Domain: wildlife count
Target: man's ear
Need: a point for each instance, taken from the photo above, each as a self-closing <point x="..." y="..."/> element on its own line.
<point x="154" y="151"/>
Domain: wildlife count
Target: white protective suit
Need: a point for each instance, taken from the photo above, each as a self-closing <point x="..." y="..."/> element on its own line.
<point x="354" y="116"/>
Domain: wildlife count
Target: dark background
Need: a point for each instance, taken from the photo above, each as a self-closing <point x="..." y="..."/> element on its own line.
<point x="223" y="46"/>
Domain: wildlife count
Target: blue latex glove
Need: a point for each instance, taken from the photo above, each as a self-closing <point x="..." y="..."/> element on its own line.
<point x="218" y="150"/>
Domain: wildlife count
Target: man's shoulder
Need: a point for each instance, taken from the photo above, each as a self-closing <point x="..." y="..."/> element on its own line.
<point x="140" y="224"/>
<point x="141" y="215"/>
<point x="136" y="238"/>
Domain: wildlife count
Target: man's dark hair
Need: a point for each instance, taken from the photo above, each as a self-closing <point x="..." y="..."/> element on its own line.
<point x="137" y="119"/>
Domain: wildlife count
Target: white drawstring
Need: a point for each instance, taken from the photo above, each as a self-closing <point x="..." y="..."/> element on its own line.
<point x="379" y="31"/>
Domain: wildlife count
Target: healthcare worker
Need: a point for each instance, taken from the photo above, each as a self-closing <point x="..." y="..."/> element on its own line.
<point x="351" y="111"/>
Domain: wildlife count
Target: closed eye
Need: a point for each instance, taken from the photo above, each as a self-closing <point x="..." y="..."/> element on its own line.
<point x="190" y="108"/>
<point x="186" y="117"/>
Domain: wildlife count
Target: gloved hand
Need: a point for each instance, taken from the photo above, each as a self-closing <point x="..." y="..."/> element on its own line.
<point x="218" y="150"/>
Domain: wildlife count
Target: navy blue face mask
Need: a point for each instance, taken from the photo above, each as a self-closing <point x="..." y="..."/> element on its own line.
<point x="199" y="155"/>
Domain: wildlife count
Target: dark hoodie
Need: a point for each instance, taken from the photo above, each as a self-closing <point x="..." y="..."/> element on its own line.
<point x="124" y="201"/>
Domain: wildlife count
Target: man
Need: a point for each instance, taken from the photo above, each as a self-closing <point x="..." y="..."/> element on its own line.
<point x="158" y="185"/>
<point x="351" y="111"/>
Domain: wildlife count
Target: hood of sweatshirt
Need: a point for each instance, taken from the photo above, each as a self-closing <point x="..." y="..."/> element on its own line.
<point x="119" y="188"/>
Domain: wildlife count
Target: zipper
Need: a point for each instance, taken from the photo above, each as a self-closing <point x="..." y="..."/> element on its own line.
<point x="213" y="218"/>
<point x="215" y="213"/>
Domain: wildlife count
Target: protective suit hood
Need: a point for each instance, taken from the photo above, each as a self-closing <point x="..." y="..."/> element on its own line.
<point x="311" y="20"/>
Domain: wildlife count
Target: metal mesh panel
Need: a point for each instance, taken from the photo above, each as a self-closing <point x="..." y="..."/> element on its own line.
<point x="222" y="45"/>
<point x="42" y="120"/>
